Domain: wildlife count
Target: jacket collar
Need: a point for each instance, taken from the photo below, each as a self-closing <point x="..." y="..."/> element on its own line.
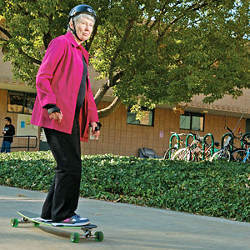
<point x="72" y="40"/>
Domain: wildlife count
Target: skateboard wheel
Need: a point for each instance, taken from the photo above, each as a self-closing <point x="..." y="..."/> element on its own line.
<point x="25" y="219"/>
<point x="14" y="222"/>
<point x="99" y="236"/>
<point x="75" y="237"/>
<point x="36" y="224"/>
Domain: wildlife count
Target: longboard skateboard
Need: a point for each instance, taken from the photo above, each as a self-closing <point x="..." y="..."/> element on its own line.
<point x="29" y="217"/>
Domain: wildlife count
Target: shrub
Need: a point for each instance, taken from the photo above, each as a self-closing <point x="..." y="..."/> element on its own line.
<point x="216" y="189"/>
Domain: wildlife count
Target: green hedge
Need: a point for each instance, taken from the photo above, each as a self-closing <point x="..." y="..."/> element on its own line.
<point x="214" y="189"/>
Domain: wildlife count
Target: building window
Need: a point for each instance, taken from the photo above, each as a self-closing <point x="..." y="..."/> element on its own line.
<point x="20" y="102"/>
<point x="247" y="125"/>
<point x="192" y="121"/>
<point x="146" y="120"/>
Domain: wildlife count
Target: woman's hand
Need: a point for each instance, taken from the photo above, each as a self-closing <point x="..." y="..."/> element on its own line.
<point x="57" y="116"/>
<point x="95" y="133"/>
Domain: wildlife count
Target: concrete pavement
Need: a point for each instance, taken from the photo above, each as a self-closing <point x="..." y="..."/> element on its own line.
<point x="124" y="226"/>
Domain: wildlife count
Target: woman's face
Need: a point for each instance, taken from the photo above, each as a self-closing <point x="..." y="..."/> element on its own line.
<point x="84" y="28"/>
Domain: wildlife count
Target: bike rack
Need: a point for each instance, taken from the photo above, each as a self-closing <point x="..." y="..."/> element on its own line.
<point x="204" y="142"/>
<point x="188" y="138"/>
<point x="209" y="135"/>
<point x="247" y="134"/>
<point x="178" y="141"/>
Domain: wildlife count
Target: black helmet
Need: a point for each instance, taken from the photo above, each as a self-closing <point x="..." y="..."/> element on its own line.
<point x="82" y="8"/>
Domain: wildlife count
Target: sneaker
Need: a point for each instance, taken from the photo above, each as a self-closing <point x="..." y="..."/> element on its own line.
<point x="75" y="220"/>
<point x="42" y="220"/>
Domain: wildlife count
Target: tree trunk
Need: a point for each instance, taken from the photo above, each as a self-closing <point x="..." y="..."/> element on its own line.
<point x="111" y="108"/>
<point x="101" y="92"/>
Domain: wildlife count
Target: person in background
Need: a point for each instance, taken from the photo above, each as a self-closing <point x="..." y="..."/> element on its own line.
<point x="65" y="109"/>
<point x="8" y="132"/>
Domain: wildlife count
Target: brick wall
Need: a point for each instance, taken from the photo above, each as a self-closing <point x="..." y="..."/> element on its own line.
<point x="118" y="137"/>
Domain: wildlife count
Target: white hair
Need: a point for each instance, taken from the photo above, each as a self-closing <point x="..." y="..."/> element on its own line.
<point x="78" y="17"/>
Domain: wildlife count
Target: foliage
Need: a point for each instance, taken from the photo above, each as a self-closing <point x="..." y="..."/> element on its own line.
<point x="205" y="188"/>
<point x="150" y="52"/>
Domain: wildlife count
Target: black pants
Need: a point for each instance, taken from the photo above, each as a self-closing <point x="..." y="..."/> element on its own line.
<point x="63" y="196"/>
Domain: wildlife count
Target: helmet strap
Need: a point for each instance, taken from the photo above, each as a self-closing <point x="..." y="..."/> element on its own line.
<point x="86" y="45"/>
<point x="74" y="30"/>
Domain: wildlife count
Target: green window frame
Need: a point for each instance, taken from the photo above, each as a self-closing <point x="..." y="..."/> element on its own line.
<point x="192" y="121"/>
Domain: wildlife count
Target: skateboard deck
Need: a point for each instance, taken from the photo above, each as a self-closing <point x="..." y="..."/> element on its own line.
<point x="87" y="233"/>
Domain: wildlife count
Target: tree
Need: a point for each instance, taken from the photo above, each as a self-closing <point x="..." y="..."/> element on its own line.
<point x="149" y="51"/>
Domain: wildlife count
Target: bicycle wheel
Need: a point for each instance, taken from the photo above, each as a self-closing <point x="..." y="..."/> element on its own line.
<point x="222" y="154"/>
<point x="169" y="153"/>
<point x="240" y="155"/>
<point x="182" y="154"/>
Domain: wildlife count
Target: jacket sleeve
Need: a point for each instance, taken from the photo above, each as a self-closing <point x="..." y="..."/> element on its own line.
<point x="92" y="109"/>
<point x="53" y="55"/>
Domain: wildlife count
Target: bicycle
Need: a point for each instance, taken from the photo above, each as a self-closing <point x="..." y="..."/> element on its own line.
<point x="225" y="152"/>
<point x="189" y="152"/>
<point x="200" y="153"/>
<point x="242" y="154"/>
<point x="171" y="151"/>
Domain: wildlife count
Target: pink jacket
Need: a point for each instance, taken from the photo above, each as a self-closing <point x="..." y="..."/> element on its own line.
<point x="58" y="82"/>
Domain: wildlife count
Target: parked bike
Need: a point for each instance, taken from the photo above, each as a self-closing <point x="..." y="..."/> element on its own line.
<point x="242" y="154"/>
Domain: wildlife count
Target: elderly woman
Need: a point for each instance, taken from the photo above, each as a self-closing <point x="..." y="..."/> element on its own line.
<point x="65" y="108"/>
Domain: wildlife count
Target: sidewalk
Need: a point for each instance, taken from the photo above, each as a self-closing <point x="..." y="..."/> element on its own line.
<point x="125" y="227"/>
